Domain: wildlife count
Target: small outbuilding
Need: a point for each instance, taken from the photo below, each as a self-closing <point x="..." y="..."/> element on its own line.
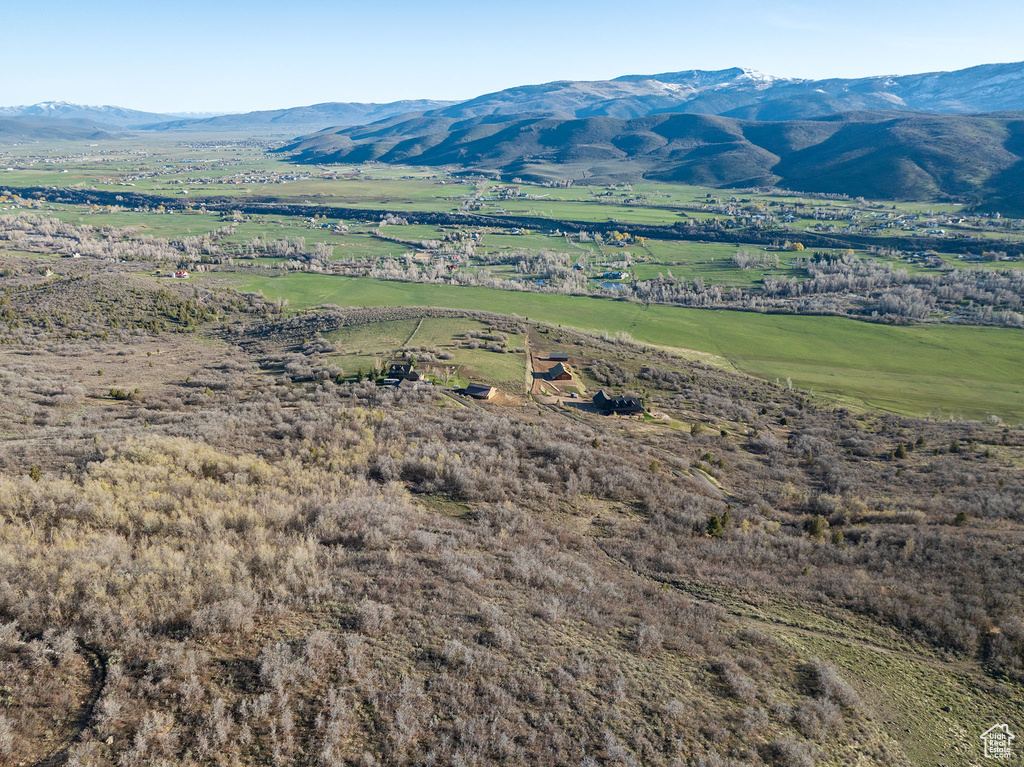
<point x="559" y="357"/>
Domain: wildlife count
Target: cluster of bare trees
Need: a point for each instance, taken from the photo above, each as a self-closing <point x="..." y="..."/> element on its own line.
<point x="745" y="258"/>
<point x="284" y="247"/>
<point x="877" y="286"/>
<point x="46" y="234"/>
<point x="844" y="285"/>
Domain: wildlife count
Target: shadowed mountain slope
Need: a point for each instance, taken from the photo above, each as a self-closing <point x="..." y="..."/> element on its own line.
<point x="887" y="155"/>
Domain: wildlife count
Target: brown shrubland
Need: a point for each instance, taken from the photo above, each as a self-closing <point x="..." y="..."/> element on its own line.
<point x="286" y="570"/>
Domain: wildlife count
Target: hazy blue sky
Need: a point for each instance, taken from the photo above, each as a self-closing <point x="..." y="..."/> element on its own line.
<point x="186" y="55"/>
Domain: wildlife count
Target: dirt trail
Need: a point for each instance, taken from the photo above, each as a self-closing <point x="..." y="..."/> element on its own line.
<point x="529" y="363"/>
<point x="415" y="330"/>
<point x="740" y="613"/>
<point x="98" y="666"/>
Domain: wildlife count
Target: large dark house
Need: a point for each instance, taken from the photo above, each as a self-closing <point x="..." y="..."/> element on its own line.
<point x="403" y="372"/>
<point x="608" y="404"/>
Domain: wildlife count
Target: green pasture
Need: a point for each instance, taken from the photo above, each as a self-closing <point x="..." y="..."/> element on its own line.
<point x="414" y="232"/>
<point x="363" y="246"/>
<point x="506" y="371"/>
<point x="167" y="225"/>
<point x="597" y="212"/>
<point x="712" y="262"/>
<point x="682" y="252"/>
<point x="493" y="243"/>
<point x="373" y="338"/>
<point x="4" y="251"/>
<point x="942" y="370"/>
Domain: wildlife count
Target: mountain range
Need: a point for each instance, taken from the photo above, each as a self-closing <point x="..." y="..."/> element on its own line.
<point x="889" y="155"/>
<point x="43" y="128"/>
<point x="281" y="122"/>
<point x="749" y="94"/>
<point x="954" y="135"/>
<point x="302" y="119"/>
<point x="941" y="134"/>
<point x="741" y="93"/>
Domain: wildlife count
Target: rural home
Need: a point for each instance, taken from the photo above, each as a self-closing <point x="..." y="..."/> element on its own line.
<point x="607" y="404"/>
<point x="403" y="372"/>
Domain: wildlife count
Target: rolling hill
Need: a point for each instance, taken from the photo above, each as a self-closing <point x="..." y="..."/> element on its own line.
<point x="45" y="128"/>
<point x="889" y="155"/>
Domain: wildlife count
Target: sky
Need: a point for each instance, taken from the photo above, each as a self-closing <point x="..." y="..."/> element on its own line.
<point x="230" y="56"/>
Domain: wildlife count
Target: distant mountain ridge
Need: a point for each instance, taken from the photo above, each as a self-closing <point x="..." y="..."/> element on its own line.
<point x="924" y="136"/>
<point x="105" y="116"/>
<point x="44" y="128"/>
<point x="299" y="119"/>
<point x="749" y="94"/>
<point x="735" y="92"/>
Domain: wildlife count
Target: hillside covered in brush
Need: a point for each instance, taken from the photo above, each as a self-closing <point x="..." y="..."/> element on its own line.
<point x="220" y="548"/>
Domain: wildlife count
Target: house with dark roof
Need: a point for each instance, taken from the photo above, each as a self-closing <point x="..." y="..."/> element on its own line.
<point x="403" y="372"/>
<point x="608" y="405"/>
<point x="558" y="357"/>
